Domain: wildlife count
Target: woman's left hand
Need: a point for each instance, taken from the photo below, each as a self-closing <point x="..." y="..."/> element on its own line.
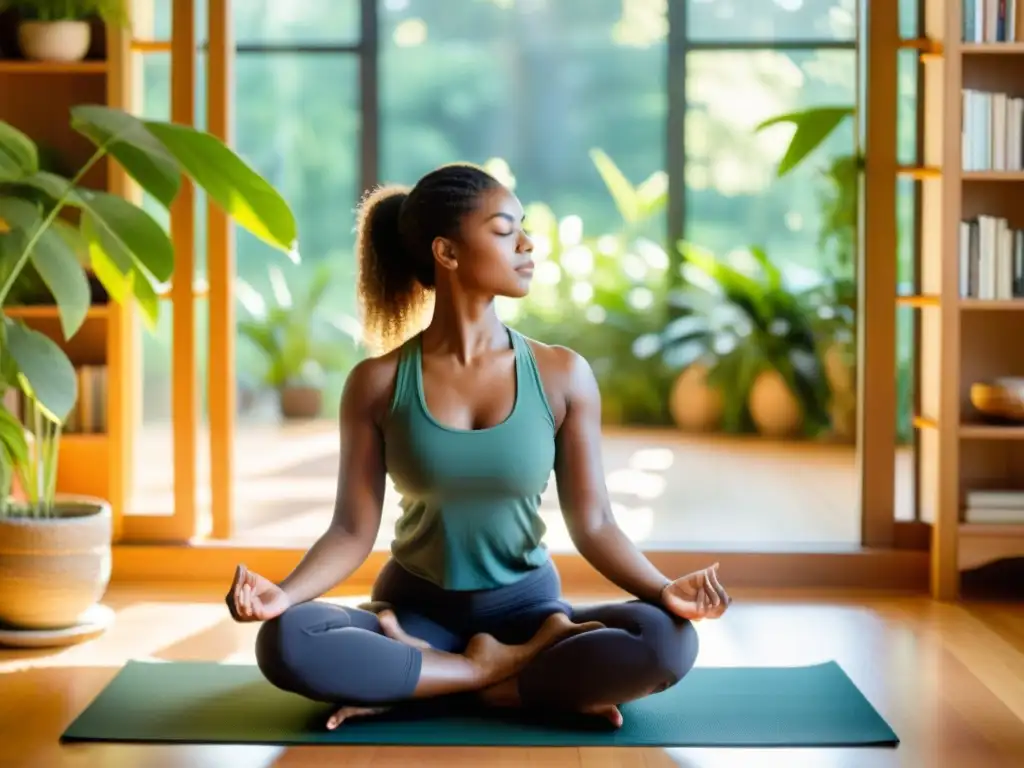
<point x="697" y="596"/>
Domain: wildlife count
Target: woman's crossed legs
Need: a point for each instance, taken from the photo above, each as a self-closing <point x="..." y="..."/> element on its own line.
<point x="545" y="656"/>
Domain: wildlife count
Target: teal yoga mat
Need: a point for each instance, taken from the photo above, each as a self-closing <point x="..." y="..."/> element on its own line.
<point x="211" y="703"/>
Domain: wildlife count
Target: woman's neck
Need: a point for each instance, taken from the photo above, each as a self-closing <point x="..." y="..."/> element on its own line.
<point x="464" y="326"/>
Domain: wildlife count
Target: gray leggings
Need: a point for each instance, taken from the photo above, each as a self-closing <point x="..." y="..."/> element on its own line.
<point x="339" y="655"/>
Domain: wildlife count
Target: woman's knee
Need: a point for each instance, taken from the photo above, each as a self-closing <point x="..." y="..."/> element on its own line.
<point x="672" y="641"/>
<point x="283" y="645"/>
<point x="274" y="643"/>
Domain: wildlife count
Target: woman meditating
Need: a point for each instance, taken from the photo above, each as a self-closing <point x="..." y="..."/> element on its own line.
<point x="469" y="418"/>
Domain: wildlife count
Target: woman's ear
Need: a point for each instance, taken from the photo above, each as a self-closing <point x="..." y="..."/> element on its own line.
<point x="444" y="254"/>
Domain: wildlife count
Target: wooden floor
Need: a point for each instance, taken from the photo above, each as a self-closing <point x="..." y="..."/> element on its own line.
<point x="948" y="678"/>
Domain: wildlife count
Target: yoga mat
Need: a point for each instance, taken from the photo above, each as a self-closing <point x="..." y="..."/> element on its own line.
<point x="211" y="703"/>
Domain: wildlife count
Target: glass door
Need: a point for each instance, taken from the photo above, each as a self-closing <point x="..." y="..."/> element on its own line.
<point x="284" y="90"/>
<point x="161" y="456"/>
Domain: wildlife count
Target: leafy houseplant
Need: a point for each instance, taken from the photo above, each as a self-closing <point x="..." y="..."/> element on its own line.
<point x="55" y="552"/>
<point x="836" y="296"/>
<point x="754" y="338"/>
<point x="59" y="30"/>
<point x="289" y="334"/>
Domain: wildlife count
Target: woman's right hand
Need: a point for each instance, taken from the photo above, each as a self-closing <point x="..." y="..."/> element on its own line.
<point x="254" y="598"/>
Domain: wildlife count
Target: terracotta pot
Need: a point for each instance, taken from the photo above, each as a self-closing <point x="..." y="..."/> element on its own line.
<point x="773" y="407"/>
<point x="695" y="406"/>
<point x="53" y="569"/>
<point x="301" y="402"/>
<point x="54" y="40"/>
<point x="840" y="372"/>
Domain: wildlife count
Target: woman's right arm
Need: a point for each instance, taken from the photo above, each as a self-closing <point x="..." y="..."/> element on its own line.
<point x="349" y="538"/>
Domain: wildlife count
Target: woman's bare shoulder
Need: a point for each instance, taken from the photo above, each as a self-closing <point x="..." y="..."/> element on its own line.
<point x="564" y="372"/>
<point x="370" y="384"/>
<point x="557" y="361"/>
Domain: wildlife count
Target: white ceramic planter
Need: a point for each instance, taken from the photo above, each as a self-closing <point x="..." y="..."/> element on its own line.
<point x="54" y="570"/>
<point x="54" y="40"/>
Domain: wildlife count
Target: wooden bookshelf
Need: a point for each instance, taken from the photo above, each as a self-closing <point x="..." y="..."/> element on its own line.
<point x="37" y="97"/>
<point x="970" y="322"/>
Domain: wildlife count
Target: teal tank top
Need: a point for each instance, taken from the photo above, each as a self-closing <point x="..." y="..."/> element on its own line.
<point x="469" y="498"/>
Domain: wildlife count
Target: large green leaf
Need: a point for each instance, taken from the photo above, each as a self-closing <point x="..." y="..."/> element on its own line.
<point x="130" y="231"/>
<point x="248" y="198"/>
<point x="20" y="213"/>
<point x="45" y="371"/>
<point x="74" y="240"/>
<point x="813" y="126"/>
<point x="56" y="187"/>
<point x="117" y="270"/>
<point x="147" y="297"/>
<point x="652" y="195"/>
<point x="111" y="265"/>
<point x="126" y="138"/>
<point x="56" y="263"/>
<point x="19" y="156"/>
<point x="619" y="187"/>
<point x="12" y="437"/>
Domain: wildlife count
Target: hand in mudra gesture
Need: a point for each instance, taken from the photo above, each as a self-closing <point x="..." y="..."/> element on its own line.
<point x="255" y="598"/>
<point x="697" y="596"/>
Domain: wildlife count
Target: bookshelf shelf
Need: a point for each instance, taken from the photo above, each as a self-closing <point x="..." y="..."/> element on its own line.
<point x="978" y="431"/>
<point x="49" y="311"/>
<point x="21" y="66"/>
<point x="992" y="176"/>
<point x="996" y="305"/>
<point x="982" y="543"/>
<point x="992" y="529"/>
<point x="992" y="49"/>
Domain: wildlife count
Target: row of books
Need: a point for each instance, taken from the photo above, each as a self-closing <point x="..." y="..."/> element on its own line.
<point x="991" y="259"/>
<point x="992" y="133"/>
<point x="993" y="21"/>
<point x="995" y="507"/>
<point x="89" y="416"/>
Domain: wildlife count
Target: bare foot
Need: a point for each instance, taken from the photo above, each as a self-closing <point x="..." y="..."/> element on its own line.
<point x="346" y="713"/>
<point x="498" y="661"/>
<point x="506" y="695"/>
<point x="608" y="711"/>
<point x="390" y="626"/>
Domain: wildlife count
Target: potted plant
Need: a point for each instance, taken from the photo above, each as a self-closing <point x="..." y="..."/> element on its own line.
<point x="836" y="294"/>
<point x="55" y="550"/>
<point x="61" y="30"/>
<point x="300" y="342"/>
<point x="752" y="339"/>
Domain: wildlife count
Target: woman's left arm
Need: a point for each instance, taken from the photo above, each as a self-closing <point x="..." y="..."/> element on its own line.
<point x="583" y="494"/>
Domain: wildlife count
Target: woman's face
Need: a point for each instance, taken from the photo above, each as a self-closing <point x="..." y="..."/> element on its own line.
<point x="493" y="254"/>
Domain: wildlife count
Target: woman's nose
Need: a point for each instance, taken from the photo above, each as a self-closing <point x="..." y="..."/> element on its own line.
<point x="525" y="242"/>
